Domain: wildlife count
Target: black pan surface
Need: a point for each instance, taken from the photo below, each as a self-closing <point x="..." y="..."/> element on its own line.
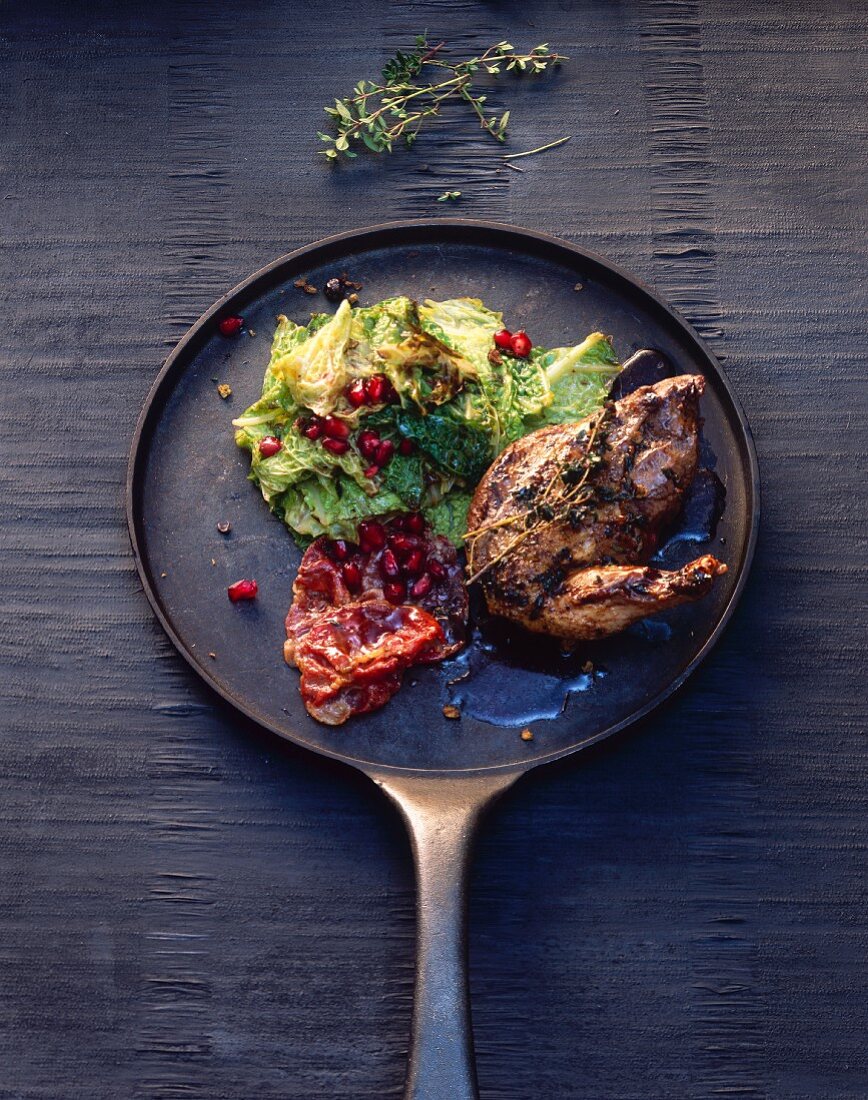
<point x="186" y="475"/>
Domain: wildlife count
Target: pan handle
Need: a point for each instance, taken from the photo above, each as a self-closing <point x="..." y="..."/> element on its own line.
<point x="441" y="815"/>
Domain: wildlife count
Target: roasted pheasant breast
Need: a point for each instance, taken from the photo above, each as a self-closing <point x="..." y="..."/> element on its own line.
<point x="563" y="523"/>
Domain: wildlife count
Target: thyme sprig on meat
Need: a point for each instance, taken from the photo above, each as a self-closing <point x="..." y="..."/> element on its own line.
<point x="564" y="498"/>
<point x="378" y="113"/>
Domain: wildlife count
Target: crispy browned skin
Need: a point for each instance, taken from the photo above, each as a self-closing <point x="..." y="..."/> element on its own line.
<point x="583" y="575"/>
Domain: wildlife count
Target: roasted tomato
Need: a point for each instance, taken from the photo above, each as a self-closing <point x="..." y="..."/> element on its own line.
<point x="351" y="660"/>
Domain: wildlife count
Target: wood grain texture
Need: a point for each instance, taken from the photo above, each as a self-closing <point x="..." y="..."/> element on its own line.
<point x="188" y="909"/>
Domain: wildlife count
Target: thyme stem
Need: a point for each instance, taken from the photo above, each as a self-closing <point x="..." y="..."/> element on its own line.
<point x="541" y="149"/>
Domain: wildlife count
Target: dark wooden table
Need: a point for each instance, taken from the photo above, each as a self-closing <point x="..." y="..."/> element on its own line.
<point x="190" y="910"/>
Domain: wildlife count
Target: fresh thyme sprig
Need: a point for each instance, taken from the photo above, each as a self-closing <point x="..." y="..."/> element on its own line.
<point x="379" y="113"/>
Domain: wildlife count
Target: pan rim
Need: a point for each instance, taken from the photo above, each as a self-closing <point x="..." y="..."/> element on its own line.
<point x="155" y="392"/>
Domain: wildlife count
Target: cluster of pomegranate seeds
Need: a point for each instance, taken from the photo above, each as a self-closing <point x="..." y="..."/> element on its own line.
<point x="334" y="434"/>
<point x="242" y="590"/>
<point x="331" y="430"/>
<point x="517" y="343"/>
<point x="230" y="326"/>
<point x="379" y="452"/>
<point x="269" y="445"/>
<point x="398" y="552"/>
<point x="376" y="390"/>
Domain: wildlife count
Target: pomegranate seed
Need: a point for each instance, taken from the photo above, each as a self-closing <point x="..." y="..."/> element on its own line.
<point x="375" y="388"/>
<point x="242" y="590"/>
<point x="335" y="428"/>
<point x="422" y="587"/>
<point x="385" y="450"/>
<point x="352" y="575"/>
<point x="371" y="471"/>
<point x="398" y="523"/>
<point x="394" y="591"/>
<point x="336" y="446"/>
<point x="521" y="345"/>
<point x="368" y="442"/>
<point x="437" y="569"/>
<point x="338" y="549"/>
<point x="372" y="535"/>
<point x="415" y="563"/>
<point x="311" y="428"/>
<point x="390" y="394"/>
<point x="269" y="445"/>
<point x="231" y="326"/>
<point x="356" y="394"/>
<point x="389" y="568"/>
<point x="503" y="339"/>
<point x="403" y="544"/>
<point x="416" y="523"/>
<point x="406" y="447"/>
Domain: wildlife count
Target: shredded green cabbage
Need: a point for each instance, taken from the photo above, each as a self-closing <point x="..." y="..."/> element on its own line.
<point x="459" y="405"/>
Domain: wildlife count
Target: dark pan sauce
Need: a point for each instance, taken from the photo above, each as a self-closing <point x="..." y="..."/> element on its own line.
<point x="509" y="677"/>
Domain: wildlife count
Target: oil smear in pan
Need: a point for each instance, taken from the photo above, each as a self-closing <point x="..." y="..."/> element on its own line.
<point x="509" y="677"/>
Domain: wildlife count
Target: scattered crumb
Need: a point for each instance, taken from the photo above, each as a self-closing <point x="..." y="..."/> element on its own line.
<point x="578" y="286"/>
<point x="304" y="285"/>
<point x="450" y="711"/>
<point x="213" y="656"/>
<point x="224" y="526"/>
<point x="164" y="574"/>
<point x="617" y="110"/>
<point x="251" y="332"/>
<point x="353" y="298"/>
<point x="588" y="667"/>
<point x="527" y="734"/>
<point x="213" y="561"/>
<point x="224" y="390"/>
